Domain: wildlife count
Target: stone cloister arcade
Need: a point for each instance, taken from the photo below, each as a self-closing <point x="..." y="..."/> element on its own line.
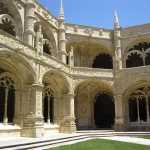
<point x="91" y="54"/>
<point x="90" y="99"/>
<point x="60" y="77"/>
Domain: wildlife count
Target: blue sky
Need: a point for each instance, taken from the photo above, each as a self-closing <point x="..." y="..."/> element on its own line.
<point x="99" y="13"/>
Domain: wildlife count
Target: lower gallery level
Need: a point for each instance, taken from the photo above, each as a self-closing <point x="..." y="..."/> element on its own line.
<point x="32" y="110"/>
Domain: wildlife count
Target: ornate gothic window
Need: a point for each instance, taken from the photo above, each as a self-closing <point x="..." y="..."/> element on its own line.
<point x="138" y="55"/>
<point x="48" y="105"/>
<point x="139" y="105"/>
<point x="7" y="99"/>
<point x="103" y="61"/>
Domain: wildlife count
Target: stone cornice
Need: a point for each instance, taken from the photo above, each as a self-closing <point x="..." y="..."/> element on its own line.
<point x="87" y="31"/>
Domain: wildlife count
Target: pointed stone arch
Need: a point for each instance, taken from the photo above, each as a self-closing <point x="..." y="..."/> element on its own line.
<point x="85" y="52"/>
<point x="60" y="86"/>
<point x="137" y="105"/>
<point x="50" y="46"/>
<point x="87" y="94"/>
<point x="8" y="57"/>
<point x="25" y="75"/>
<point x="137" y="53"/>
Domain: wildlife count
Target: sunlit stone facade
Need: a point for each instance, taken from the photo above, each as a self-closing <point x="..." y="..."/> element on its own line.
<point x="61" y="77"/>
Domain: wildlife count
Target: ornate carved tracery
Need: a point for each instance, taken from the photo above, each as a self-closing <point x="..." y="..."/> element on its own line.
<point x="138" y="55"/>
<point x="48" y="105"/>
<point x="7" y="98"/>
<point x="139" y="105"/>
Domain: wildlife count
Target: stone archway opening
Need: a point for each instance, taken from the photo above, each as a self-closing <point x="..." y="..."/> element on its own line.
<point x="138" y="55"/>
<point x="55" y="88"/>
<point x="7" y="99"/>
<point x="138" y="104"/>
<point x="134" y="60"/>
<point x="14" y="78"/>
<point x="103" y="61"/>
<point x="104" y="111"/>
<point x="91" y="54"/>
<point x="94" y="105"/>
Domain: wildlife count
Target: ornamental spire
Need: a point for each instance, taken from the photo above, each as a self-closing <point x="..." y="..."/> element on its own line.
<point x="61" y="13"/>
<point x="116" y="20"/>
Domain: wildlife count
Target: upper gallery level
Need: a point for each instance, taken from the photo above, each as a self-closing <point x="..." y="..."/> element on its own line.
<point x="70" y="44"/>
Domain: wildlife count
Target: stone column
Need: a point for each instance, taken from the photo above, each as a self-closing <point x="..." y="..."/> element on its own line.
<point x="117" y="44"/>
<point x="92" y="115"/>
<point x="48" y="108"/>
<point x="6" y="105"/>
<point x="147" y="108"/>
<point x="33" y="125"/>
<point x="62" y="41"/>
<point x="29" y="34"/>
<point x="67" y="124"/>
<point x="56" y="109"/>
<point x="119" y="113"/>
<point x="118" y="52"/>
<point x="71" y="57"/>
<point x="18" y="116"/>
<point x="39" y="39"/>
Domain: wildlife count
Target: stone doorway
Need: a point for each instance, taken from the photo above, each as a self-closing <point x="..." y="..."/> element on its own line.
<point x="104" y="111"/>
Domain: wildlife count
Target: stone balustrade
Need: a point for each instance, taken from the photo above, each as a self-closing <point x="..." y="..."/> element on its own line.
<point x="141" y="70"/>
<point x="92" y="73"/>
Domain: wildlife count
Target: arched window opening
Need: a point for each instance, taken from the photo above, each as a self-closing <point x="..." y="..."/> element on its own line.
<point x="6" y="21"/>
<point x="48" y="106"/>
<point x="139" y="105"/>
<point x="7" y="99"/>
<point x="47" y="47"/>
<point x="138" y="55"/>
<point x="147" y="59"/>
<point x="104" y="111"/>
<point x="103" y="61"/>
<point x="134" y="60"/>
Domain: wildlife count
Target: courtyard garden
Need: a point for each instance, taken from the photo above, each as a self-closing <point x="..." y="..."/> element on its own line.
<point x="99" y="144"/>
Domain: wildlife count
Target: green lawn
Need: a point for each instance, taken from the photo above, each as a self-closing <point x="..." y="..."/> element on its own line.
<point x="103" y="145"/>
<point x="145" y="137"/>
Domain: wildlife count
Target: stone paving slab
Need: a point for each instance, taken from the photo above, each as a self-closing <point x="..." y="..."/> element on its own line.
<point x="5" y="141"/>
<point x="129" y="139"/>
